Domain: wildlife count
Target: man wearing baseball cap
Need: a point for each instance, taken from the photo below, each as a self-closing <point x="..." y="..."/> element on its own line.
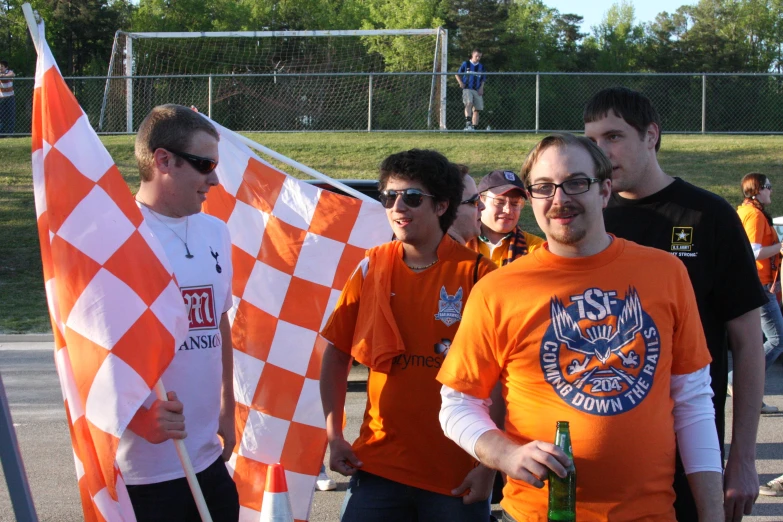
<point x="501" y="239"/>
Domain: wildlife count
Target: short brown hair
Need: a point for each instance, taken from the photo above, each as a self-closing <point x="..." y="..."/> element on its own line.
<point x="603" y="167"/>
<point x="634" y="107"/>
<point x="168" y="126"/>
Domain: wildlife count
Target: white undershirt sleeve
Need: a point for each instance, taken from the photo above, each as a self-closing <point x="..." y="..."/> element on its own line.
<point x="756" y="249"/>
<point x="464" y="418"/>
<point x="694" y="422"/>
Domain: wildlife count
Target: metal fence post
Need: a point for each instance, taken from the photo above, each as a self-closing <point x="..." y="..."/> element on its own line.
<point x="129" y="85"/>
<point x="369" y="106"/>
<point x="13" y="467"/>
<point x="538" y="99"/>
<point x="209" y="97"/>
<point x="444" y="58"/>
<point x="703" y="103"/>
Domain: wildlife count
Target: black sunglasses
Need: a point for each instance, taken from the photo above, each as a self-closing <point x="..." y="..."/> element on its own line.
<point x="203" y="165"/>
<point x="411" y="197"/>
<point x="472" y="200"/>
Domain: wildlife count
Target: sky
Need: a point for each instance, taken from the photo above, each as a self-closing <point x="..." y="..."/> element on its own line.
<point x="646" y="11"/>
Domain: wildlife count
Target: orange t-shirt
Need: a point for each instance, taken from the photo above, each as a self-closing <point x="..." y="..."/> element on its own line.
<point x="761" y="233"/>
<point x="593" y="341"/>
<point x="400" y="437"/>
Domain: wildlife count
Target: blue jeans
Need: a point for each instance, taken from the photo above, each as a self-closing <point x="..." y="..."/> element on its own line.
<point x="772" y="327"/>
<point x="371" y="498"/>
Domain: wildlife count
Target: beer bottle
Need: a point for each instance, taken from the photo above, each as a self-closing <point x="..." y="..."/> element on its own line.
<point x="562" y="491"/>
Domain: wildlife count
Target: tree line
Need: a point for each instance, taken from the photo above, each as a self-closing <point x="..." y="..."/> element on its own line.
<point x="515" y="35"/>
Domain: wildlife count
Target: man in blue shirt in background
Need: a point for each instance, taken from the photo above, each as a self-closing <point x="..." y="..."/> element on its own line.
<point x="471" y="80"/>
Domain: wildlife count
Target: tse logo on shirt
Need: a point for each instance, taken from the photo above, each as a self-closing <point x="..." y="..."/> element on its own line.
<point x="200" y="304"/>
<point x="600" y="352"/>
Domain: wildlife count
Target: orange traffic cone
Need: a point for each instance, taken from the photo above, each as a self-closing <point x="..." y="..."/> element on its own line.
<point x="276" y="506"/>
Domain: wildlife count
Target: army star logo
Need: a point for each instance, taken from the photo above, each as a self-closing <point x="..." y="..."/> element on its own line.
<point x="682" y="239"/>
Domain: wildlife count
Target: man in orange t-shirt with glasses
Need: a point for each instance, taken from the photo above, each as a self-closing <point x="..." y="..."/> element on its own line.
<point x="398" y="314"/>
<point x="599" y="341"/>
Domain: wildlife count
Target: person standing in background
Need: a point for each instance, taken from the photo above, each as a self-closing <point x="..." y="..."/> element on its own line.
<point x="467" y="224"/>
<point x="501" y="239"/>
<point x="655" y="209"/>
<point x="7" y="99"/>
<point x="471" y="80"/>
<point x="766" y="246"/>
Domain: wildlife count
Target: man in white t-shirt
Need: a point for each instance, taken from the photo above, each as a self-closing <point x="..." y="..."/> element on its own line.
<point x="177" y="152"/>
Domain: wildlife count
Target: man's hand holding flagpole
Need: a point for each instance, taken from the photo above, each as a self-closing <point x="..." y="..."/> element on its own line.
<point x="190" y="474"/>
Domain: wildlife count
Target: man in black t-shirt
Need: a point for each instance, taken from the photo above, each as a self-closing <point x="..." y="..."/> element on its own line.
<point x="703" y="230"/>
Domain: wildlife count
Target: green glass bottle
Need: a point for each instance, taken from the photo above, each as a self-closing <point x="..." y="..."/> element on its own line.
<point x="562" y="491"/>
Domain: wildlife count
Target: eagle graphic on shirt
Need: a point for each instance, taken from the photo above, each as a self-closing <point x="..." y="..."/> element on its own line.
<point x="600" y="341"/>
<point x="449" y="307"/>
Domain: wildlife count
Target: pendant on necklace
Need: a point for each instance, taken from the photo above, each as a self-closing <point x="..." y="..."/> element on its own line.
<point x="188" y="255"/>
<point x="218" y="269"/>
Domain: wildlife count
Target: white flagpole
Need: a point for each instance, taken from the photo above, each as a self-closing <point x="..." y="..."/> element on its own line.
<point x="36" y="34"/>
<point x="304" y="168"/>
<point x="32" y="23"/>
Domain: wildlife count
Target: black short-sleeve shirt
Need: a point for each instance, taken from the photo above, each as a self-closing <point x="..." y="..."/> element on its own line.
<point x="705" y="232"/>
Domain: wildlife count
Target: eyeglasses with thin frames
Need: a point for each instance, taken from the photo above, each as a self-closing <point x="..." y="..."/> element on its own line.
<point x="201" y="164"/>
<point x="473" y="200"/>
<point x="572" y="187"/>
<point x="767" y="186"/>
<point x="411" y="197"/>
<point x="500" y="202"/>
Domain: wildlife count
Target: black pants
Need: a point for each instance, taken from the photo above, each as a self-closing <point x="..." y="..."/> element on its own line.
<point x="172" y="501"/>
<point x="7" y="115"/>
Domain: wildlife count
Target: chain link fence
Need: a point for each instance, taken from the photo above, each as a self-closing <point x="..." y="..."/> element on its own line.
<point x="514" y="102"/>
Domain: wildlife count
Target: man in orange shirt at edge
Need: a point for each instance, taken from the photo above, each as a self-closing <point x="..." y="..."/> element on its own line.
<point x="501" y="239"/>
<point x="397" y="314"/>
<point x="621" y="357"/>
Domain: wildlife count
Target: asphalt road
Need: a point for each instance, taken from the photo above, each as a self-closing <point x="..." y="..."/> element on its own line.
<point x="34" y="394"/>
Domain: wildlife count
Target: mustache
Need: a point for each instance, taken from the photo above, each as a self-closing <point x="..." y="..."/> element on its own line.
<point x="562" y="211"/>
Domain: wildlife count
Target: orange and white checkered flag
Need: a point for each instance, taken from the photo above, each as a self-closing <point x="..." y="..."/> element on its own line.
<point x="294" y="247"/>
<point x="115" y="307"/>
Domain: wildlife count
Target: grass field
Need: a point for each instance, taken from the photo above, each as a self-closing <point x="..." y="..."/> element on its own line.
<point x="714" y="162"/>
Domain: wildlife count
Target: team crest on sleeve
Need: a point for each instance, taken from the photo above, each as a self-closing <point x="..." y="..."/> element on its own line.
<point x="449" y="307"/>
<point x="600" y="353"/>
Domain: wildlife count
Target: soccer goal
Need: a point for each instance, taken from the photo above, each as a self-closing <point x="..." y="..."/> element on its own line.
<point x="282" y="80"/>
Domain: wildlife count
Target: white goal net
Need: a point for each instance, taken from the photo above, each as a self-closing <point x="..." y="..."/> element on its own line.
<point x="282" y="80"/>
